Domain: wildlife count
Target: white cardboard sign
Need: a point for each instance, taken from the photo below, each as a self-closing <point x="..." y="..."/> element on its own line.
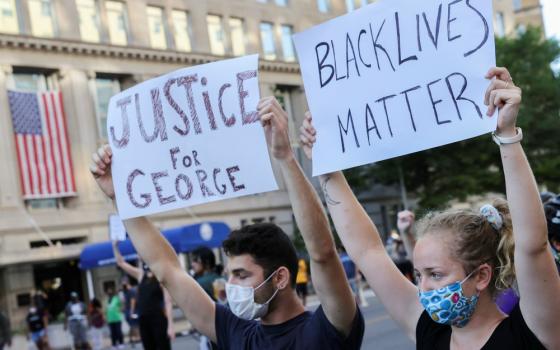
<point x="397" y="77"/>
<point x="117" y="231"/>
<point x="189" y="137"/>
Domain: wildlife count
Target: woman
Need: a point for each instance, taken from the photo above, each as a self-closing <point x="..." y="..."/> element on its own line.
<point x="463" y="259"/>
<point x="97" y="322"/>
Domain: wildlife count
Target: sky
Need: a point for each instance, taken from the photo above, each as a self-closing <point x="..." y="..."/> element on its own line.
<point x="551" y="11"/>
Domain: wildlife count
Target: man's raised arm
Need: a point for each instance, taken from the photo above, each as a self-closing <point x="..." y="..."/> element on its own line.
<point x="336" y="297"/>
<point x="160" y="256"/>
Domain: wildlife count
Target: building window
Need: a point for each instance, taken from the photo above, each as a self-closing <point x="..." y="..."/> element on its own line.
<point x="33" y="82"/>
<point x="324" y="5"/>
<point x="89" y="20"/>
<point x="351" y="5"/>
<point x="216" y="35"/>
<point x="156" y="26"/>
<point x="118" y="27"/>
<point x="42" y="21"/>
<point x="282" y="3"/>
<point x="8" y="17"/>
<point x="500" y="25"/>
<point x="517" y="5"/>
<point x="104" y="89"/>
<point x="237" y="32"/>
<point x="267" y="40"/>
<point x="287" y="44"/>
<point x="182" y="30"/>
<point x="283" y="94"/>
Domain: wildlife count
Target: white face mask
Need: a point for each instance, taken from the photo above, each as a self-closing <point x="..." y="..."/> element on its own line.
<point x="242" y="303"/>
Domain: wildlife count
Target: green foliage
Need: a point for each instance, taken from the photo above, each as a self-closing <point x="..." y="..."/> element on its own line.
<point x="473" y="166"/>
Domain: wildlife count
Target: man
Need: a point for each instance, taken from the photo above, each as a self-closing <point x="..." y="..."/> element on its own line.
<point x="153" y="306"/>
<point x="204" y="267"/>
<point x="37" y="324"/>
<point x="76" y="321"/>
<point x="5" y="332"/>
<point x="552" y="212"/>
<point x="129" y="297"/>
<point x="262" y="265"/>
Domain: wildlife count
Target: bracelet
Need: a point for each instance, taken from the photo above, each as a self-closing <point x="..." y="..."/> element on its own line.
<point x="508" y="140"/>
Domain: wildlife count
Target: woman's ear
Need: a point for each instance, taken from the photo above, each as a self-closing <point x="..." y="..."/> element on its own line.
<point x="483" y="277"/>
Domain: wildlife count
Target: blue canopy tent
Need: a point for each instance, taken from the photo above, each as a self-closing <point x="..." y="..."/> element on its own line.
<point x="183" y="239"/>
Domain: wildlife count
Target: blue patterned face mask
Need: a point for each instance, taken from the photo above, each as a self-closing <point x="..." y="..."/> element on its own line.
<point x="448" y="305"/>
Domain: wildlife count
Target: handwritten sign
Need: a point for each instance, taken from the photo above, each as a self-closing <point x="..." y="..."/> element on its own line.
<point x="397" y="77"/>
<point x="117" y="231"/>
<point x="189" y="137"/>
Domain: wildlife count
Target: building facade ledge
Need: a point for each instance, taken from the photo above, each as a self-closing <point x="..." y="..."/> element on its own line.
<point x="39" y="255"/>
<point x="128" y="52"/>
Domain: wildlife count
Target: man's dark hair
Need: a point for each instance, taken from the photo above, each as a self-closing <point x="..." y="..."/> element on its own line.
<point x="206" y="257"/>
<point x="268" y="244"/>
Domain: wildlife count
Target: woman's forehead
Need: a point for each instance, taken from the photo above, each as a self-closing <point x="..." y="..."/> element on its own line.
<point x="432" y="251"/>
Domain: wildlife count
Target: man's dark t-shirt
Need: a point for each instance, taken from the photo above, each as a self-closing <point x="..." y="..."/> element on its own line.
<point x="512" y="334"/>
<point x="35" y="322"/>
<point x="310" y="330"/>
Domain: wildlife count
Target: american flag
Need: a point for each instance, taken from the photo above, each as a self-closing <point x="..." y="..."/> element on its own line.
<point x="42" y="145"/>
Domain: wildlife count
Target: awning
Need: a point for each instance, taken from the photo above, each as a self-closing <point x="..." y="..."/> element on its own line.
<point x="183" y="239"/>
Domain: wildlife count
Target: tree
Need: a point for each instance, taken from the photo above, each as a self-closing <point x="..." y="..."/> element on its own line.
<point x="473" y="166"/>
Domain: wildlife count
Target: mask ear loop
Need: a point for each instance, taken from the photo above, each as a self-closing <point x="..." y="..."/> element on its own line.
<point x="266" y="280"/>
<point x="272" y="297"/>
<point x="469" y="276"/>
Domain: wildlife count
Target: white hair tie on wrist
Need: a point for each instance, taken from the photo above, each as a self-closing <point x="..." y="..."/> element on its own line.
<point x="492" y="215"/>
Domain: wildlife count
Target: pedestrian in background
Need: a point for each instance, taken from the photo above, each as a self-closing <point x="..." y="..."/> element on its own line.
<point x="37" y="324"/>
<point x="129" y="296"/>
<point x="76" y="321"/>
<point x="204" y="269"/>
<point x="153" y="306"/>
<point x="552" y="213"/>
<point x="5" y="331"/>
<point x="114" y="318"/>
<point x="96" y="322"/>
<point x="302" y="278"/>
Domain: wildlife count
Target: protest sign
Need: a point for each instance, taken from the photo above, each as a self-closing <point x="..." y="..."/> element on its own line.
<point x="397" y="77"/>
<point x="189" y="137"/>
<point x="117" y="231"/>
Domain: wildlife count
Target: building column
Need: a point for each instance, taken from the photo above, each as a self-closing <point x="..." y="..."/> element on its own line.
<point x="82" y="131"/>
<point x="253" y="33"/>
<point x="10" y="191"/>
<point x="67" y="29"/>
<point x="19" y="280"/>
<point x="91" y="290"/>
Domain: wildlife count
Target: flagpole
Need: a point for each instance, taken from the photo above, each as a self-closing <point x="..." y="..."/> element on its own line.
<point x="38" y="229"/>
